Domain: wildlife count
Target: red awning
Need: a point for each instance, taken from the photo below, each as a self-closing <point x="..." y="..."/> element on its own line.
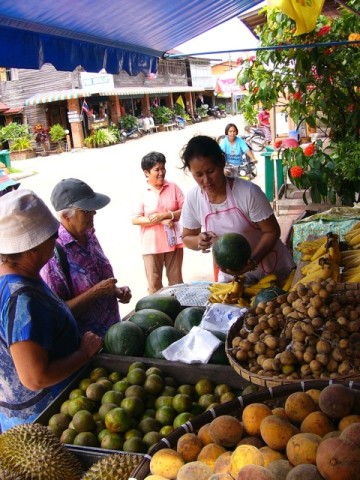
<point x="3" y="107"/>
<point x="13" y="111"/>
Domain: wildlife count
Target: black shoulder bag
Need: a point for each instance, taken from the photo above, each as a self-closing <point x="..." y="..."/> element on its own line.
<point x="60" y="255"/>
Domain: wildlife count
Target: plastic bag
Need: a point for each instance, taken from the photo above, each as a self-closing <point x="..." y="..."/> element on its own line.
<point x="195" y="347"/>
<point x="219" y="317"/>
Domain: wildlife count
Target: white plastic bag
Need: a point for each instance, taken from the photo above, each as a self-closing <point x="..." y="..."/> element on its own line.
<point x="195" y="347"/>
<point x="219" y="317"/>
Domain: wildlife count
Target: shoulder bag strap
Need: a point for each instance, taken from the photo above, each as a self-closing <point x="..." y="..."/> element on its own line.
<point x="60" y="255"/>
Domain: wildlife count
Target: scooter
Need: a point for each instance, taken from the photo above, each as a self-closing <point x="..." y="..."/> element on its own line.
<point x="246" y="169"/>
<point x="132" y="133"/>
<point x="195" y="118"/>
<point x="255" y="138"/>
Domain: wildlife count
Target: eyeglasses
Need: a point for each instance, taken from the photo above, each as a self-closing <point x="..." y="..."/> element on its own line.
<point x="87" y="212"/>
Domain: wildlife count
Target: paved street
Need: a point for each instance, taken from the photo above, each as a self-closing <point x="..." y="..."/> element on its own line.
<point x="116" y="172"/>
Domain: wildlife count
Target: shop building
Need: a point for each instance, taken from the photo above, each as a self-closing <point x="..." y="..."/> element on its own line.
<point x="81" y="101"/>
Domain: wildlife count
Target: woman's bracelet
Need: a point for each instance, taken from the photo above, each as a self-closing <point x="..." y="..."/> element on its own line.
<point x="172" y="215"/>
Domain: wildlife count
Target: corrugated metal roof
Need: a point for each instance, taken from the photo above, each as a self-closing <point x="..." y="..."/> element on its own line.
<point x="57" y="95"/>
<point x="116" y="35"/>
<point x="80" y="93"/>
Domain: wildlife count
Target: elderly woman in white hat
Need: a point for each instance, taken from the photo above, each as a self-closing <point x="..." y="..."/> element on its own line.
<point x="40" y="346"/>
<point x="80" y="273"/>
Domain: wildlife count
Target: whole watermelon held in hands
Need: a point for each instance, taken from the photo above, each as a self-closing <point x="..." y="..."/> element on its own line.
<point x="231" y="251"/>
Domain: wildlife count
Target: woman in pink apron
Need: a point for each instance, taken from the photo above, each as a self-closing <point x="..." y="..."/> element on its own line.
<point x="219" y="205"/>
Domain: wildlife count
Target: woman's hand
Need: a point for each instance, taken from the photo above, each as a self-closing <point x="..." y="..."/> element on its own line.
<point x="123" y="294"/>
<point x="105" y="287"/>
<point x="90" y="344"/>
<point x="206" y="240"/>
<point x="157" y="217"/>
<point x="168" y="222"/>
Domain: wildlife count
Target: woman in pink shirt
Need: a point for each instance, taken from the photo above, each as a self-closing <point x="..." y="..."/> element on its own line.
<point x="157" y="214"/>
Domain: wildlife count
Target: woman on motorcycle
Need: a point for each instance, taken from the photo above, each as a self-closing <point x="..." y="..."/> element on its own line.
<point x="235" y="147"/>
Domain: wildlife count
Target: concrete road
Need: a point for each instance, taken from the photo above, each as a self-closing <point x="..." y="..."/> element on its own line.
<point x="116" y="172"/>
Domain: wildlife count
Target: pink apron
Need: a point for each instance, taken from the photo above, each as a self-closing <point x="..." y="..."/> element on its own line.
<point x="232" y="219"/>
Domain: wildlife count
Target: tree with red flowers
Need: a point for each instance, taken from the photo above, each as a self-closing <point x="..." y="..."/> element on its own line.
<point x="319" y="86"/>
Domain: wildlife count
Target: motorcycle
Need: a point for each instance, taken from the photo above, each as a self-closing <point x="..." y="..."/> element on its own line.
<point x="195" y="118"/>
<point x="216" y="113"/>
<point x="132" y="133"/>
<point x="246" y="169"/>
<point x="255" y="138"/>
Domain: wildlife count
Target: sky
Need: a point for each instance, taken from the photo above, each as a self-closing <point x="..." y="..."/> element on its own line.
<point x="228" y="36"/>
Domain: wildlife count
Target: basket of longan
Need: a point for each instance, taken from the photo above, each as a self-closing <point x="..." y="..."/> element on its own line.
<point x="310" y="333"/>
<point x="293" y="431"/>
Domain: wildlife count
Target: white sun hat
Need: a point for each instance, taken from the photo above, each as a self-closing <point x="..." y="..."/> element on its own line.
<point x="25" y="221"/>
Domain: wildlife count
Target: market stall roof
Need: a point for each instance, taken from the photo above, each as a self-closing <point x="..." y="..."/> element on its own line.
<point x="115" y="35"/>
<point x="57" y="95"/>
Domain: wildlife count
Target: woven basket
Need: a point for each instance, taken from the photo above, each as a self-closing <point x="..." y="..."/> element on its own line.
<point x="260" y="379"/>
<point x="275" y="381"/>
<point x="235" y="408"/>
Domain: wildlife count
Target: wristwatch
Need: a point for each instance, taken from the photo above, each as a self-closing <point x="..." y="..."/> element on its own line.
<point x="253" y="263"/>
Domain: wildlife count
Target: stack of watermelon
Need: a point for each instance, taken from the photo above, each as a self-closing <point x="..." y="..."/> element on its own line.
<point x="158" y="321"/>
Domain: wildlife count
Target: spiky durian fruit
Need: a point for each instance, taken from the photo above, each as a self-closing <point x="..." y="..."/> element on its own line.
<point x="32" y="452"/>
<point x="114" y="467"/>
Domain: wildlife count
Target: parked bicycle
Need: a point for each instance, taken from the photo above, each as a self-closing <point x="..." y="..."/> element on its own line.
<point x="255" y="138"/>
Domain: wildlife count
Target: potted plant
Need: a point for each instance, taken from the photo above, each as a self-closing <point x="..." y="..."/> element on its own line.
<point x="222" y="107"/>
<point x="162" y="115"/>
<point x="101" y="137"/>
<point x="18" y="137"/>
<point x="203" y="111"/>
<point x="128" y="122"/>
<point x="57" y="135"/>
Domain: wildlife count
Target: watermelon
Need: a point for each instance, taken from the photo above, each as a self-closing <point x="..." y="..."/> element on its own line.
<point x="164" y="303"/>
<point x="219" y="356"/>
<point x="231" y="251"/>
<point x="160" y="339"/>
<point x="188" y="318"/>
<point x="125" y="338"/>
<point x="148" y="319"/>
<point x="267" y="294"/>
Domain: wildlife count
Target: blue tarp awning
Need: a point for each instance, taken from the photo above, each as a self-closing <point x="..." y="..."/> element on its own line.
<point x="115" y="35"/>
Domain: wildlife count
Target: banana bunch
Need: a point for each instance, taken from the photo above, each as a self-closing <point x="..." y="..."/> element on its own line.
<point x="350" y="260"/>
<point x="309" y="247"/>
<point x="228" y="292"/>
<point x="288" y="282"/>
<point x="264" y="282"/>
<point x="324" y="263"/>
<point x="353" y="236"/>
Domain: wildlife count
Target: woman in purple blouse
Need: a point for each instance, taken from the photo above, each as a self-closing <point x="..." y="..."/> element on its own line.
<point x="79" y="272"/>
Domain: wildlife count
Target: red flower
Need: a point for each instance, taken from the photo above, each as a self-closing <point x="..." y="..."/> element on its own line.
<point x="296" y="171"/>
<point x="239" y="61"/>
<point x="252" y="58"/>
<point x="256" y="89"/>
<point x="297" y="96"/>
<point x="309" y="150"/>
<point x="324" y="30"/>
<point x="278" y="143"/>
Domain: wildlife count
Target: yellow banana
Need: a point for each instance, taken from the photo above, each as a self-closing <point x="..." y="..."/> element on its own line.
<point x="355" y="226"/>
<point x="289" y="281"/>
<point x="355" y="278"/>
<point x="354" y="241"/>
<point x="348" y="236"/>
<point x="267" y="279"/>
<point x="322" y="274"/>
<point x="319" y="252"/>
<point x="306" y="258"/>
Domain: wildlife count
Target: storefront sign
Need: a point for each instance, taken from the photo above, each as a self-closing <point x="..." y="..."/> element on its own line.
<point x="73" y="116"/>
<point x="93" y="82"/>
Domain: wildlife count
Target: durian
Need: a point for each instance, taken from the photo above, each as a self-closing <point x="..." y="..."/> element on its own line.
<point x="114" y="467"/>
<point x="32" y="452"/>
